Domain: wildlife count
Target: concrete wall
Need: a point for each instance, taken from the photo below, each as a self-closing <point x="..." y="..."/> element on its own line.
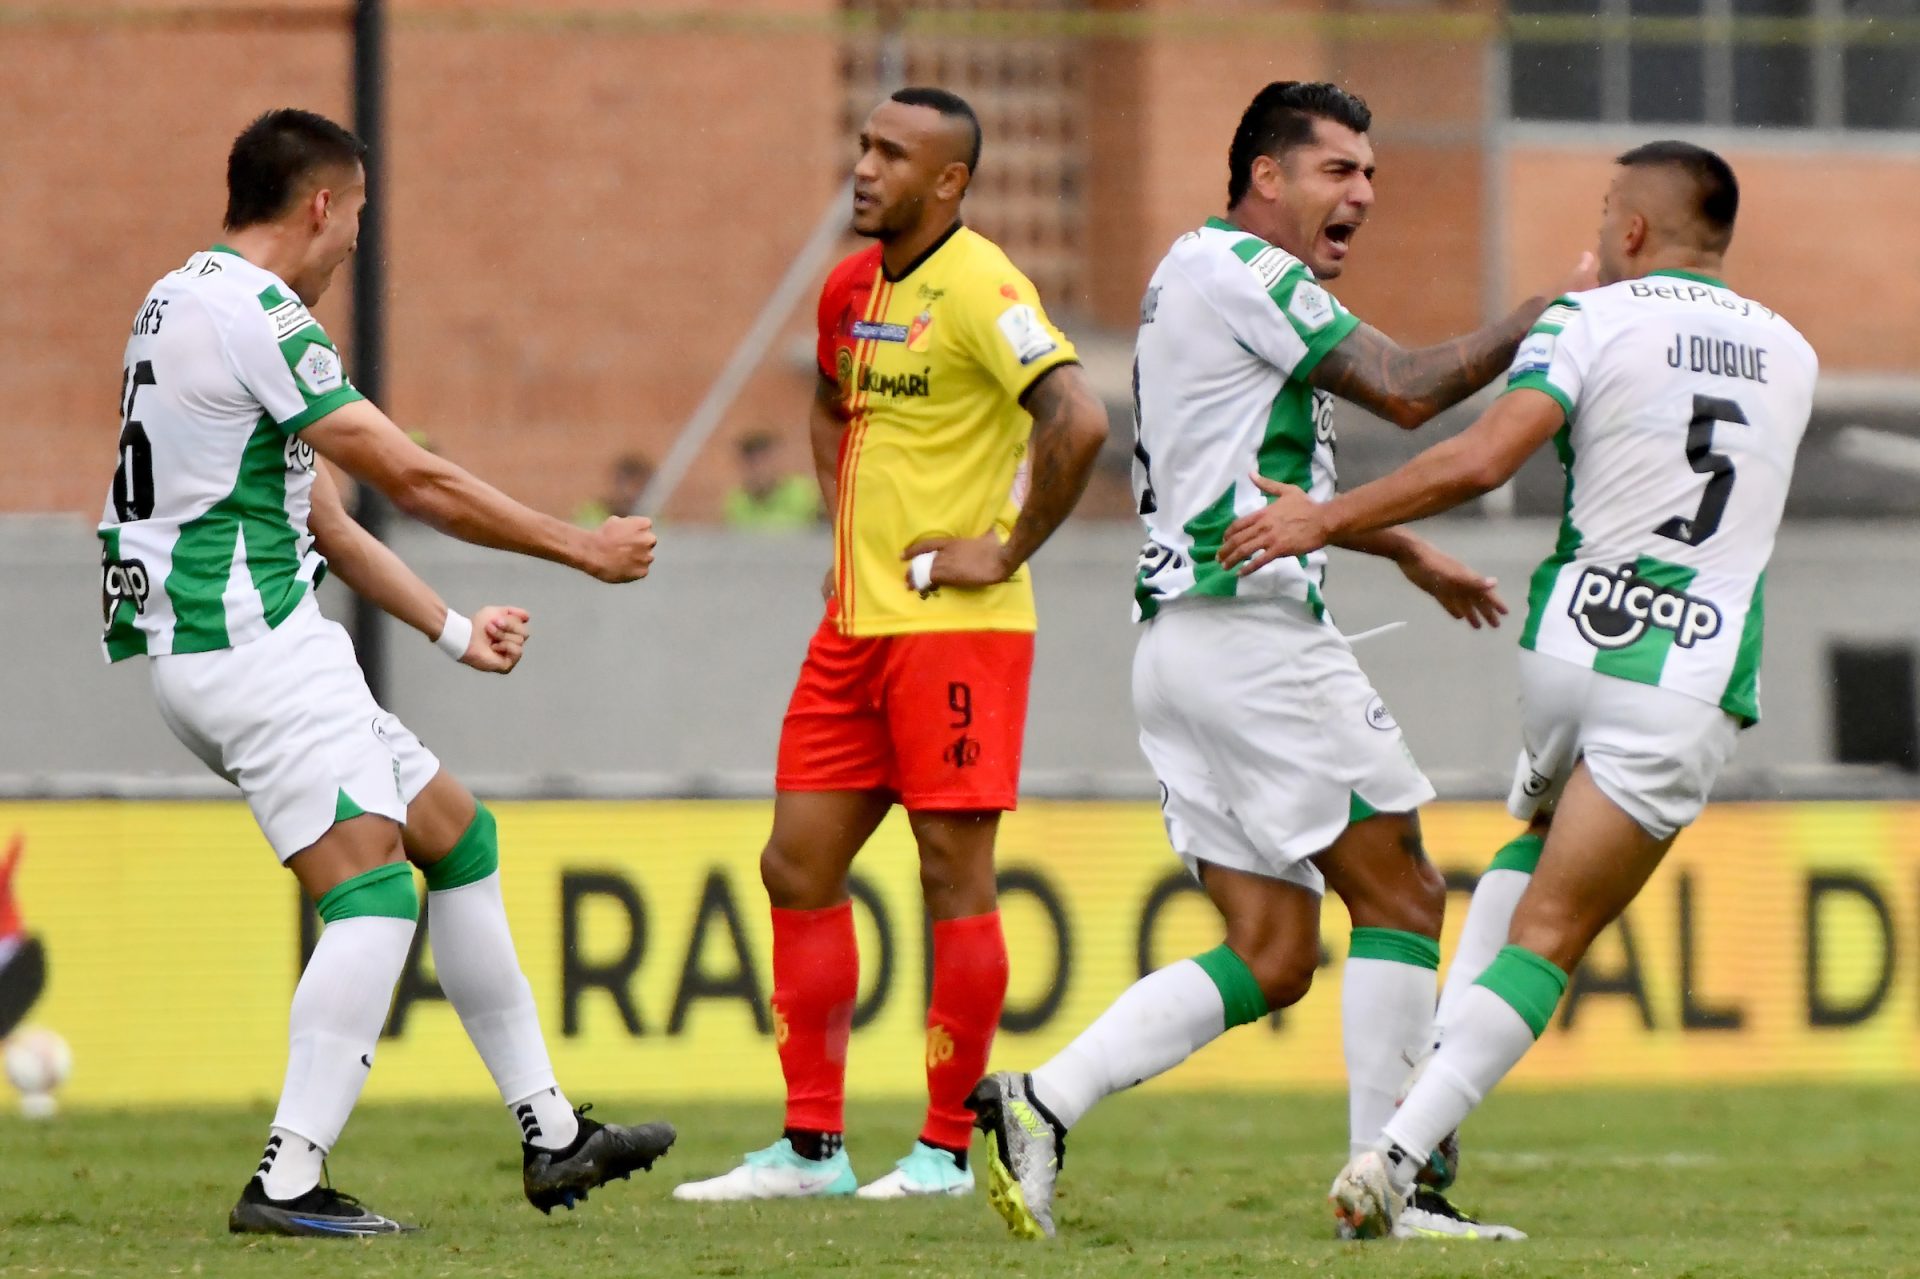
<point x="677" y="684"/>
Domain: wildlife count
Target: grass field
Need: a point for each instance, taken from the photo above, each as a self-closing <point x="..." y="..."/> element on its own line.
<point x="1741" y="1183"/>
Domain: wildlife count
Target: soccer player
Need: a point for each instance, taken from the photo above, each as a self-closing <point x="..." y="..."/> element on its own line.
<point x="218" y="528"/>
<point x="1281" y="770"/>
<point x="1677" y="406"/>
<point x="939" y="373"/>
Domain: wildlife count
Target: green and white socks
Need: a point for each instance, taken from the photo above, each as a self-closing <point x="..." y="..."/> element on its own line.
<point x="1155" y="1024"/>
<point x="1494" y="1022"/>
<point x="1489" y="915"/>
<point x="474" y="957"/>
<point x="338" y="1009"/>
<point x="1386" y="1015"/>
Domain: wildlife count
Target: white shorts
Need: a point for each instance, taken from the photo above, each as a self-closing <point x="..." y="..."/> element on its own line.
<point x="1652" y="751"/>
<point x="1263" y="732"/>
<point x="289" y="720"/>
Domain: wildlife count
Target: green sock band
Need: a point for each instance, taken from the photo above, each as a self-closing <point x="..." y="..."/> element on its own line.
<point x="475" y="857"/>
<point x="1239" y="992"/>
<point x="385" y="890"/>
<point x="1394" y="946"/>
<point x="1530" y="984"/>
<point x="1522" y="853"/>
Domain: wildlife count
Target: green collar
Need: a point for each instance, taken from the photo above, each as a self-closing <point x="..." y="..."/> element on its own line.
<point x="1221" y="224"/>
<point x="221" y="248"/>
<point x="1695" y="276"/>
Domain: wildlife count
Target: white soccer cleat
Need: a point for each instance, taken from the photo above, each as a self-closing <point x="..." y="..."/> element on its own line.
<point x="778" y="1172"/>
<point x="927" y="1170"/>
<point x="1365" y="1201"/>
<point x="1430" y="1216"/>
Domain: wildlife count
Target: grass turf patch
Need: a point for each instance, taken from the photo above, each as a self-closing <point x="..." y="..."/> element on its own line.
<point x="1740" y="1183"/>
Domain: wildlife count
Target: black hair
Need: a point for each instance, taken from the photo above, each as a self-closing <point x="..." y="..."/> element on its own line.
<point x="950" y="105"/>
<point x="1280" y="118"/>
<point x="273" y="154"/>
<point x="1716" y="191"/>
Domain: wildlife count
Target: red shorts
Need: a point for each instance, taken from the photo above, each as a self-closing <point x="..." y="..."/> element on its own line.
<point x="936" y="718"/>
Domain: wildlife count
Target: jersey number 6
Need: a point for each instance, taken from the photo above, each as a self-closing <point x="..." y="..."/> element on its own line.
<point x="133" y="478"/>
<point x="1707" y="410"/>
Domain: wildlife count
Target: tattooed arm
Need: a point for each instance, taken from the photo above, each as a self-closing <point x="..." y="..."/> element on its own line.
<point x="1069" y="426"/>
<point x="1410" y="387"/>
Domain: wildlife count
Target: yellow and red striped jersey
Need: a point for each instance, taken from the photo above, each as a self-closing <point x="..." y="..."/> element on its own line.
<point x="931" y="368"/>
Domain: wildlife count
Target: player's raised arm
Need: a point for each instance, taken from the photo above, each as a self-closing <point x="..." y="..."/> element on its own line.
<point x="365" y="443"/>
<point x="1476" y="461"/>
<point x="1410" y="386"/>
<point x="491" y="640"/>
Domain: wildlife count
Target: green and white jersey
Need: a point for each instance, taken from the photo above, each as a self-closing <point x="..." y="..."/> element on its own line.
<point x="1230" y="328"/>
<point x="204" y="541"/>
<point x="1685" y="404"/>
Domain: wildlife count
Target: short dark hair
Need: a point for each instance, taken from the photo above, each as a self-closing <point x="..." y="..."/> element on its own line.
<point x="950" y="105"/>
<point x="273" y="154"/>
<point x="1280" y="118"/>
<point x="1716" y="191"/>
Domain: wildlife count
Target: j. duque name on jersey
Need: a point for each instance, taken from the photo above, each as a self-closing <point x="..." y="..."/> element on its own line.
<point x="1613" y="608"/>
<point x="1718" y="357"/>
<point x="896" y="385"/>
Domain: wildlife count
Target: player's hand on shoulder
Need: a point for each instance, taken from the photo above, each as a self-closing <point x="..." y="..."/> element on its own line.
<point x="499" y="638"/>
<point x="1585" y="275"/>
<point x="1466" y="594"/>
<point x="1291" y="524"/>
<point x="966" y="563"/>
<point x="622" y="549"/>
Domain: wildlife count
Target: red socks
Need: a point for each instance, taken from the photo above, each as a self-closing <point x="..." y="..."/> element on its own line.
<point x="969" y="987"/>
<point x="816" y="979"/>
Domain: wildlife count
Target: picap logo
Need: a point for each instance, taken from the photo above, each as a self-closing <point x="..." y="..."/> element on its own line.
<point x="122" y="580"/>
<point x="1613" y="608"/>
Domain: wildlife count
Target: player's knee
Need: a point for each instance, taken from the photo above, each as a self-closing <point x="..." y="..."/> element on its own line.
<point x="1285" y="973"/>
<point x="1554" y="930"/>
<point x="784" y="876"/>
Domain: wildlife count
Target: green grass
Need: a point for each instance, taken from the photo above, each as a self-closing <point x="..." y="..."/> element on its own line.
<point x="1740" y="1183"/>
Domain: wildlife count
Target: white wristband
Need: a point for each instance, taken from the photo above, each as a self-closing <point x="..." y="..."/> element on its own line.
<point x="921" y="570"/>
<point x="456" y="635"/>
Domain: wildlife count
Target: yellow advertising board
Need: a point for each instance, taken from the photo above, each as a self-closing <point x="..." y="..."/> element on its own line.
<point x="1780" y="941"/>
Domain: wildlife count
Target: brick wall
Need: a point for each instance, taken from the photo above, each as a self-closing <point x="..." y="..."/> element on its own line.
<point x="585" y="215"/>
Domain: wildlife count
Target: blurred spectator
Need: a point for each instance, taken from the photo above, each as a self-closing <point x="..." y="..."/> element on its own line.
<point x="625" y="484"/>
<point x="768" y="497"/>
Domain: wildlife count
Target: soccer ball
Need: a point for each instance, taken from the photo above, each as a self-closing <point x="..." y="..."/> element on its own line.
<point x="38" y="1061"/>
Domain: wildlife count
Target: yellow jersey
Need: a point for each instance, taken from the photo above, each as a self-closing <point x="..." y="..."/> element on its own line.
<point x="931" y="369"/>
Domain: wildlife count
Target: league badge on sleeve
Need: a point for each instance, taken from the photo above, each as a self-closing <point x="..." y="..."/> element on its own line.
<point x="1021" y="326"/>
<point x="319" y="369"/>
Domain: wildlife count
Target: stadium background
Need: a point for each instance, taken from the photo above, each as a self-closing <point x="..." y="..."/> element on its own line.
<point x="589" y="205"/>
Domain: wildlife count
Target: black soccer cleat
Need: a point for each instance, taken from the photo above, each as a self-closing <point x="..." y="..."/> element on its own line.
<point x="599" y="1154"/>
<point x="319" y="1213"/>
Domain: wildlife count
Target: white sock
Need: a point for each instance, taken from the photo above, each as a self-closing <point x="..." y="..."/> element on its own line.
<point x="1486" y="1039"/>
<point x="473" y="956"/>
<point x="290" y="1165"/>
<point x="1489" y="916"/>
<point x="1386" y="1016"/>
<point x="1157" y="1023"/>
<point x="338" y="1009"/>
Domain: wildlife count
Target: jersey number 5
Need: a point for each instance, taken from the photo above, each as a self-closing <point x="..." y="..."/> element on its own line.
<point x="133" y="478"/>
<point x="1707" y="410"/>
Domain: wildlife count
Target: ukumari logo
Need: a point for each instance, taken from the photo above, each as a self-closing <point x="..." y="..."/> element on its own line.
<point x="1613" y="608"/>
<point x="899" y="386"/>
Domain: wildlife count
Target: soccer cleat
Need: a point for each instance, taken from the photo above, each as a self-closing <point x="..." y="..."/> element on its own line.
<point x="1430" y="1216"/>
<point x="598" y="1154"/>
<point x="1026" y="1148"/>
<point x="927" y="1170"/>
<point x="1365" y="1200"/>
<point x="778" y="1172"/>
<point x="320" y="1212"/>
